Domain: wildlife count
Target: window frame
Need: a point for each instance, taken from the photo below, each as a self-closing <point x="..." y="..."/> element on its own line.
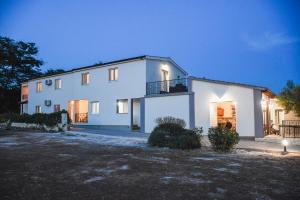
<point x="92" y="111"/>
<point x="54" y="106"/>
<point x="118" y="109"/>
<point x="165" y="75"/>
<point x="55" y="85"/>
<point x="39" y="86"/>
<point x="38" y="110"/>
<point x="115" y="76"/>
<point x="87" y="78"/>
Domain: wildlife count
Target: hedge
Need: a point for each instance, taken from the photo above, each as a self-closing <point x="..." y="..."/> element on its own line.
<point x="51" y="119"/>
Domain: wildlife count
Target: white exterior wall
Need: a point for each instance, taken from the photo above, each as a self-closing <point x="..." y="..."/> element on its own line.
<point x="155" y="67"/>
<point x="130" y="84"/>
<point x="175" y="106"/>
<point x="206" y="93"/>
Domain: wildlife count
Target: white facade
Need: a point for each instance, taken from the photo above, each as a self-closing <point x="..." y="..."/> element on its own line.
<point x="175" y="106"/>
<point x="146" y="88"/>
<point x="130" y="84"/>
<point x="207" y="93"/>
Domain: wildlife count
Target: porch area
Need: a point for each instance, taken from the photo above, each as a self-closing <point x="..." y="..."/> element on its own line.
<point x="276" y="121"/>
<point x="78" y="111"/>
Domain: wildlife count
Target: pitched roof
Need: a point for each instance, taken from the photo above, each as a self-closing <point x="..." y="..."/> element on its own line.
<point x="230" y="83"/>
<point x="115" y="62"/>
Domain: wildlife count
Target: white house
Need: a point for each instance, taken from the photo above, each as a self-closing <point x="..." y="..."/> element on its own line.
<point x="131" y="93"/>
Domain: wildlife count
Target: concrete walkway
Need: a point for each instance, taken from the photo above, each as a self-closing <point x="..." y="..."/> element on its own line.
<point x="272" y="143"/>
<point x="130" y="134"/>
<point x="266" y="144"/>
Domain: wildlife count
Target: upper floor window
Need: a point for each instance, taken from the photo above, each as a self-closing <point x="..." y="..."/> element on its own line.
<point x="24" y="92"/>
<point x="57" y="84"/>
<point x="85" y="78"/>
<point x="113" y="74"/>
<point x="39" y="87"/>
<point x="57" y="108"/>
<point x="38" y="109"/>
<point x="122" y="106"/>
<point x="95" y="107"/>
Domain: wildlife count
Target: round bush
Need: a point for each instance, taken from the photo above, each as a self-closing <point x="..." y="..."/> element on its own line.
<point x="170" y="132"/>
<point x="222" y="138"/>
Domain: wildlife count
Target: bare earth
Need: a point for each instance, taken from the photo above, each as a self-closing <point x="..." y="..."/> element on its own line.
<point x="47" y="166"/>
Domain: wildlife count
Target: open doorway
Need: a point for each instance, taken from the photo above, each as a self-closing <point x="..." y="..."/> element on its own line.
<point x="224" y="114"/>
<point x="136" y="114"/>
<point x="78" y="111"/>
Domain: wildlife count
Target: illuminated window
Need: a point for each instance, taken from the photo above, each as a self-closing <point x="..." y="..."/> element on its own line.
<point x="24" y="92"/>
<point x="57" y="108"/>
<point x="113" y="74"/>
<point x="85" y="78"/>
<point x="278" y="116"/>
<point x="57" y="84"/>
<point x="122" y="106"/>
<point x="38" y="109"/>
<point x="95" y="107"/>
<point x="39" y="87"/>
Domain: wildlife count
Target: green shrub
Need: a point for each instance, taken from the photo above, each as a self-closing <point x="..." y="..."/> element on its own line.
<point x="222" y="138"/>
<point x="170" y="132"/>
<point x="51" y="119"/>
<point x="2" y="119"/>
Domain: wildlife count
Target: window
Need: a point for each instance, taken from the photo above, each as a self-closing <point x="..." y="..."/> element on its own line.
<point x="113" y="74"/>
<point x="38" y="109"/>
<point x="278" y="116"/>
<point x="57" y="108"/>
<point x="57" y="84"/>
<point x="24" y="92"/>
<point x="122" y="106"/>
<point x="95" y="107"/>
<point x="85" y="78"/>
<point x="39" y="87"/>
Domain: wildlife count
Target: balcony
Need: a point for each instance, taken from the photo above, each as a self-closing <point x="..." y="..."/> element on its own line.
<point x="167" y="87"/>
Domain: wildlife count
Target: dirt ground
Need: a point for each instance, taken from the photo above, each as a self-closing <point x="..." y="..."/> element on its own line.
<point x="42" y="166"/>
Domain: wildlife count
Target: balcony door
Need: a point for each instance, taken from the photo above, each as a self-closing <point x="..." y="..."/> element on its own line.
<point x="78" y="111"/>
<point x="165" y="78"/>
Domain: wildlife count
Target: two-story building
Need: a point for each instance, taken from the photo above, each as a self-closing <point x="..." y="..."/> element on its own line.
<point x="131" y="93"/>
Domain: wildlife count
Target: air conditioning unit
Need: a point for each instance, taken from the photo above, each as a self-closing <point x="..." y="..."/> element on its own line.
<point x="49" y="82"/>
<point x="48" y="103"/>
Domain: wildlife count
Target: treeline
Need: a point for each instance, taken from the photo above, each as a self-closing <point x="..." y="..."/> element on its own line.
<point x="18" y="63"/>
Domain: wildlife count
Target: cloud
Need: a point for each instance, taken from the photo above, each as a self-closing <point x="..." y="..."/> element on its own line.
<point x="269" y="41"/>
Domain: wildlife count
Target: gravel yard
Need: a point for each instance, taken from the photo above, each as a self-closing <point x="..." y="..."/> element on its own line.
<point x="64" y="166"/>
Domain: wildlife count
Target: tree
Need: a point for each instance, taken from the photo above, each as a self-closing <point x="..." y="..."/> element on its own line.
<point x="289" y="97"/>
<point x="18" y="63"/>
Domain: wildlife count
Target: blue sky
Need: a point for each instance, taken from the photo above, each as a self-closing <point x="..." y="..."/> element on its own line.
<point x="247" y="41"/>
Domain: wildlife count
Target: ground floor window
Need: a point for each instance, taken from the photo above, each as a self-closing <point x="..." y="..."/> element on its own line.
<point x="223" y="113"/>
<point x="279" y="116"/>
<point x="78" y="111"/>
<point x="38" y="109"/>
<point x="95" y="107"/>
<point x="57" y="108"/>
<point x="122" y="106"/>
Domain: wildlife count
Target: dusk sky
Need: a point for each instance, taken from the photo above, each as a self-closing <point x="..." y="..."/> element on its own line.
<point x="254" y="42"/>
